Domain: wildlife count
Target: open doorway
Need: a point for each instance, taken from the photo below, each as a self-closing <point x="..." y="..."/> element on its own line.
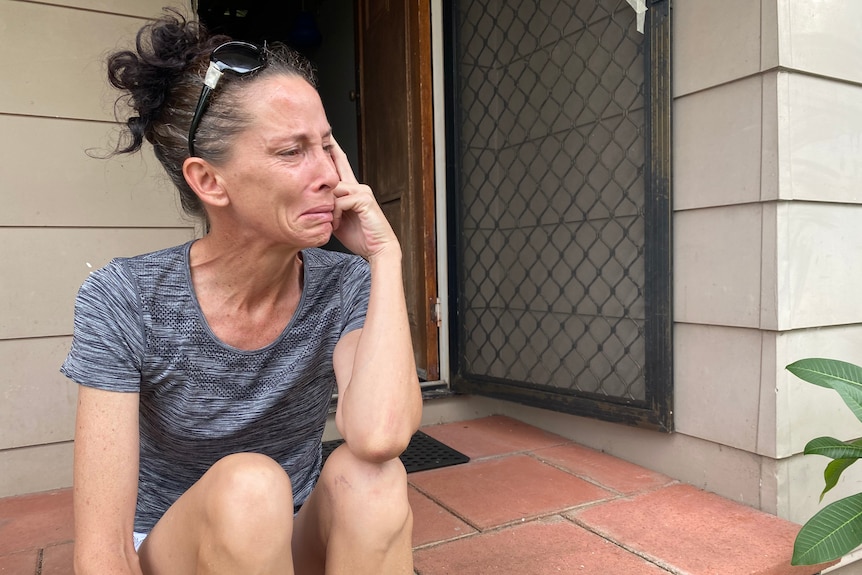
<point x="373" y="59"/>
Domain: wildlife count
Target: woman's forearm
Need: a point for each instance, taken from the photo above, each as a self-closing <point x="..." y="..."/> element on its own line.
<point x="104" y="564"/>
<point x="382" y="404"/>
<point x="105" y="482"/>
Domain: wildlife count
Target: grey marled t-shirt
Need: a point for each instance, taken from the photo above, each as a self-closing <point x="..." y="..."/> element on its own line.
<point x="139" y="328"/>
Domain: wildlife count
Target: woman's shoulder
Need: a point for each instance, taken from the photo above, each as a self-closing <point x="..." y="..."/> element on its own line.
<point x="128" y="273"/>
<point x="174" y="255"/>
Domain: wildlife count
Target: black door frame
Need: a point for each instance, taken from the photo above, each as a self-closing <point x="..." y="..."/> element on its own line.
<point x="656" y="412"/>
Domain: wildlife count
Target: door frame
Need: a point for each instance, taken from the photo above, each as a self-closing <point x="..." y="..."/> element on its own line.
<point x="441" y="219"/>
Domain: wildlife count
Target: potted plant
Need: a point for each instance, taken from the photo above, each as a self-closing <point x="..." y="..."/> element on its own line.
<point x="836" y="529"/>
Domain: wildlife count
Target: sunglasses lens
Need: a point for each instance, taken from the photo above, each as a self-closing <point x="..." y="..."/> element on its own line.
<point x="239" y="58"/>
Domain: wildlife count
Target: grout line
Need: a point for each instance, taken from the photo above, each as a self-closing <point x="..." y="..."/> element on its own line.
<point x="527" y="451"/>
<point x="646" y="557"/>
<point x="589" y="480"/>
<point x="596" y="483"/>
<point x="489" y="530"/>
<point x="444" y="506"/>
<point x="432" y="544"/>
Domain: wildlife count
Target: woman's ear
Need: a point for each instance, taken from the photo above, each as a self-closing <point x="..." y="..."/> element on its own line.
<point x="203" y="179"/>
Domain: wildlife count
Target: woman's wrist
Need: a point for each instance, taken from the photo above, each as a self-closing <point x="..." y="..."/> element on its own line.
<point x="389" y="254"/>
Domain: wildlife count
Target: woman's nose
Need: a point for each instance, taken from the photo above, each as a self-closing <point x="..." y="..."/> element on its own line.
<point x="325" y="169"/>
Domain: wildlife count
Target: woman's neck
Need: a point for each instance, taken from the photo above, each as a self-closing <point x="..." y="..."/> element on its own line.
<point x="247" y="293"/>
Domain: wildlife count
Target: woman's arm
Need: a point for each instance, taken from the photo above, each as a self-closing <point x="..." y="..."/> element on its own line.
<point x="106" y="482"/>
<point x="379" y="399"/>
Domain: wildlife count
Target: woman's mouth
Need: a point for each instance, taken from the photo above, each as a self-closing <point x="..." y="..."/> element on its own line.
<point x="320" y="213"/>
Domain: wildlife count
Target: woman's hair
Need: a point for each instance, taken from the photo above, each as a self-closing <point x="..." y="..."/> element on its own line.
<point x="161" y="82"/>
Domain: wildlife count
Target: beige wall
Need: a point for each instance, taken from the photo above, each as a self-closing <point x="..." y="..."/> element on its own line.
<point x="768" y="187"/>
<point x="63" y="213"/>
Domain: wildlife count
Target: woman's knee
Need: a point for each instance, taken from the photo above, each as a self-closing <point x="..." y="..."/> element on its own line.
<point x="374" y="489"/>
<point x="247" y="493"/>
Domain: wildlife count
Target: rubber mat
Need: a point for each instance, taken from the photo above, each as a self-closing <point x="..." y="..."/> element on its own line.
<point x="423" y="453"/>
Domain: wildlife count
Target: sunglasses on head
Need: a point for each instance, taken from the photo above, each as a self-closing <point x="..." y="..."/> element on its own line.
<point x="238" y="58"/>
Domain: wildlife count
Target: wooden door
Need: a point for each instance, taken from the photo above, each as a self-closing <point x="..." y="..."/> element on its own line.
<point x="397" y="154"/>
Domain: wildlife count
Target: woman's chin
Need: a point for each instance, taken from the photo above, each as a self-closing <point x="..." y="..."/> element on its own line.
<point x="323" y="240"/>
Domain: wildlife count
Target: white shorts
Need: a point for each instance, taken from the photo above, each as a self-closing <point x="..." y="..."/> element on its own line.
<point x="138" y="538"/>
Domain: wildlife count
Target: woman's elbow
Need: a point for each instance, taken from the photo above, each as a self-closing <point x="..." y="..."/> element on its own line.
<point x="380" y="447"/>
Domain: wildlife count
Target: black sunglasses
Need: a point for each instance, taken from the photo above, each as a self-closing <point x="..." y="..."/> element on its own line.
<point x="239" y="58"/>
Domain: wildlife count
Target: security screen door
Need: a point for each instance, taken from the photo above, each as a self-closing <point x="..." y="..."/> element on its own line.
<point x="560" y="183"/>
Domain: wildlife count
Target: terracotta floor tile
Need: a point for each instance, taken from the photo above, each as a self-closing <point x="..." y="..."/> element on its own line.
<point x="35" y="520"/>
<point x="602" y="468"/>
<point x="496" y="491"/>
<point x="57" y="560"/>
<point x="431" y="522"/>
<point x="21" y="563"/>
<point x="544" y="547"/>
<point x="698" y="532"/>
<point x="495" y="435"/>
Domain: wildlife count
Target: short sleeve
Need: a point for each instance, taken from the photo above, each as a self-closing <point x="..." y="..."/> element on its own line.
<point x="355" y="291"/>
<point x="108" y="340"/>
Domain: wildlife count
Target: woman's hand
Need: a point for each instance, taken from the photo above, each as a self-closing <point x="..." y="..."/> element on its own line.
<point x="358" y="221"/>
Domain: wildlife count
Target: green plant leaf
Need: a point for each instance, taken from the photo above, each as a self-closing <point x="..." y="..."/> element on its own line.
<point x="823" y="372"/>
<point x="851" y="393"/>
<point x="843" y="377"/>
<point x="834" y="448"/>
<point x="833" y="532"/>
<point x="833" y="472"/>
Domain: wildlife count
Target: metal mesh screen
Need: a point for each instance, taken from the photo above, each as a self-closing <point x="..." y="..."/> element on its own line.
<point x="550" y="104"/>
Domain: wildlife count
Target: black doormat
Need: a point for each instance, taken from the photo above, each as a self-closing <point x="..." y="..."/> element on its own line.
<point x="423" y="453"/>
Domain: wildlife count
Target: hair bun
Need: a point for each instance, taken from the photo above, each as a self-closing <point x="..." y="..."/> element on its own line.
<point x="166" y="51"/>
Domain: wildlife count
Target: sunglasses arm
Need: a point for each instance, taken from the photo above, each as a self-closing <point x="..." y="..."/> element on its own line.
<point x="210" y="82"/>
<point x="214" y="74"/>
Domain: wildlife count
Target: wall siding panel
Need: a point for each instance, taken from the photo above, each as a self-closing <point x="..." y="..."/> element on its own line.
<point x="65" y="212"/>
<point x="49" y="179"/>
<point x="64" y="51"/>
<point x="38" y="402"/>
<point x="139" y="8"/>
<point x="36" y="468"/>
<point x="49" y="265"/>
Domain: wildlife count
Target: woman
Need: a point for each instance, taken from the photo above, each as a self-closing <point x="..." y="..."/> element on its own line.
<point x="206" y="370"/>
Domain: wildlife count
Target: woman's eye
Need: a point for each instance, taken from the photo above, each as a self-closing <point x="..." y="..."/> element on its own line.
<point x="291" y="152"/>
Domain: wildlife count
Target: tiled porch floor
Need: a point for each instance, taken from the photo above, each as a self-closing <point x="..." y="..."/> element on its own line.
<point x="529" y="502"/>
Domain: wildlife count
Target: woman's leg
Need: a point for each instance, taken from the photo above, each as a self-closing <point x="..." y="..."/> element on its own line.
<point x="238" y="518"/>
<point x="357" y="520"/>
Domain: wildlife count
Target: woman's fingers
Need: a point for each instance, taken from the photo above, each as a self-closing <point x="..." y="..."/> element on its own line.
<point x="358" y="221"/>
<point x="355" y="198"/>
<point x="342" y="164"/>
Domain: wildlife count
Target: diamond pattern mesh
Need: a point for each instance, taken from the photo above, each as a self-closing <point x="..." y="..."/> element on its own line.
<point x="551" y="144"/>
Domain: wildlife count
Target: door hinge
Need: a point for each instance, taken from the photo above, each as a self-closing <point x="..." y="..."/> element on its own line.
<point x="436" y="311"/>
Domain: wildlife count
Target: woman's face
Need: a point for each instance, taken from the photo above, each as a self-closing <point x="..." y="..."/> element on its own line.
<point x="280" y="176"/>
